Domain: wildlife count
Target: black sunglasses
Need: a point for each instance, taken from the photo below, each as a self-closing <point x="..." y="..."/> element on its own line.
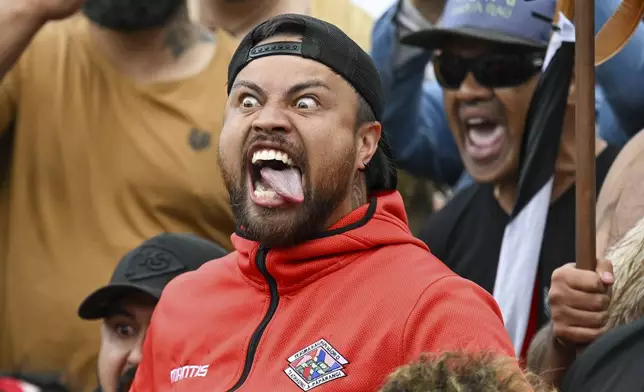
<point x="490" y="70"/>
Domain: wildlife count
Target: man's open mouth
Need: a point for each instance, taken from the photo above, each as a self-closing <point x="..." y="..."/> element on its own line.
<point x="484" y="137"/>
<point x="274" y="178"/>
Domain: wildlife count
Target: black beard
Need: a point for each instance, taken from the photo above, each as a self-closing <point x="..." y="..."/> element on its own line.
<point x="271" y="231"/>
<point x="131" y="15"/>
<point x="279" y="229"/>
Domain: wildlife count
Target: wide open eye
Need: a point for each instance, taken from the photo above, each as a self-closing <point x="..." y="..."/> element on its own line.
<point x="306" y="103"/>
<point x="124" y="331"/>
<point x="249" y="102"/>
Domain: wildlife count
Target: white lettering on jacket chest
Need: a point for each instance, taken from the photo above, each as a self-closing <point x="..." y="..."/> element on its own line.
<point x="188" y="371"/>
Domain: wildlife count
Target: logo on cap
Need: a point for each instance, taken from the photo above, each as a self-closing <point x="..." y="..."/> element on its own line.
<point x="151" y="261"/>
<point x="492" y="8"/>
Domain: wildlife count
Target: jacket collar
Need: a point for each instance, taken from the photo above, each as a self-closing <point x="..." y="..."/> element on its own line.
<point x="379" y="223"/>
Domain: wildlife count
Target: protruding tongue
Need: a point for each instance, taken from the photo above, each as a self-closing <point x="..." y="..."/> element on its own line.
<point x="287" y="183"/>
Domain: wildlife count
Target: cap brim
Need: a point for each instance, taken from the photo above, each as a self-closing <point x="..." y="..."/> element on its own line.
<point x="436" y="38"/>
<point x="96" y="305"/>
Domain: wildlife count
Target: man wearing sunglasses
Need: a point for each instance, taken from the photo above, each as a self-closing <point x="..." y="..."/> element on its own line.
<point x="422" y="143"/>
<point x="488" y="58"/>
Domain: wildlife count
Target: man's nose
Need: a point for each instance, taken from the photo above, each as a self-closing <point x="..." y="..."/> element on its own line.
<point x="272" y="119"/>
<point x="471" y="90"/>
<point x="134" y="358"/>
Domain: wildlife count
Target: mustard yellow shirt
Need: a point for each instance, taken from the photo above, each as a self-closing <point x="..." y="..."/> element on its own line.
<point x="99" y="164"/>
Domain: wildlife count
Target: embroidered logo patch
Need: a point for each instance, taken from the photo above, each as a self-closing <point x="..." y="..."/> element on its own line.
<point x="315" y="365"/>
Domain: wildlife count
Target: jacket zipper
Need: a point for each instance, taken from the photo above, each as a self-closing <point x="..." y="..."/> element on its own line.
<point x="260" y="262"/>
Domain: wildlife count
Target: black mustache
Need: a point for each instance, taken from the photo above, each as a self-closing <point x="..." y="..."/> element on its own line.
<point x="276" y="138"/>
<point x="279" y="139"/>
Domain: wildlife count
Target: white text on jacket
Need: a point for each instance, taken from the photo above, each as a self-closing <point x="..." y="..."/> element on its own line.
<point x="188" y="371"/>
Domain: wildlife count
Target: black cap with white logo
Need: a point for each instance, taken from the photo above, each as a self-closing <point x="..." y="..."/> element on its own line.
<point x="148" y="268"/>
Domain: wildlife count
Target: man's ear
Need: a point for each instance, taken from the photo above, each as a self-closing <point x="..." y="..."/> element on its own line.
<point x="572" y="92"/>
<point x="367" y="138"/>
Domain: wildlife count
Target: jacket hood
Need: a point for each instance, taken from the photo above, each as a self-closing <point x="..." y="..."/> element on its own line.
<point x="381" y="222"/>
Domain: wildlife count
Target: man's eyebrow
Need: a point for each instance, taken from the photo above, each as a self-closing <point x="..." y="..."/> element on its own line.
<point x="118" y="310"/>
<point x="299" y="87"/>
<point x="249" y="85"/>
<point x="293" y="90"/>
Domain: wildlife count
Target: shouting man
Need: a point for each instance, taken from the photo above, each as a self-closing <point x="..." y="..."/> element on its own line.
<point x="327" y="288"/>
<point x="489" y="65"/>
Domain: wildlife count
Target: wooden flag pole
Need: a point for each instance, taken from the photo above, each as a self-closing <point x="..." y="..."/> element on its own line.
<point x="591" y="51"/>
<point x="584" y="16"/>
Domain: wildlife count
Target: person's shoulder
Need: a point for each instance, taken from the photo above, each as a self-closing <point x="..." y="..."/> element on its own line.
<point x="53" y="41"/>
<point x="605" y="160"/>
<point x="461" y="316"/>
<point x="190" y="291"/>
<point x="199" y="282"/>
<point x="440" y="223"/>
<point x="458" y="203"/>
<point x="451" y="289"/>
<point x="621" y="194"/>
<point x="413" y="274"/>
<point x="402" y="261"/>
<point x="61" y="31"/>
<point x="625" y="158"/>
<point x="348" y="16"/>
<point x="611" y="363"/>
<point x="225" y="42"/>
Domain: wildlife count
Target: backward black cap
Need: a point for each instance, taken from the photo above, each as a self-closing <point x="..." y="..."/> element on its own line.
<point x="326" y="44"/>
